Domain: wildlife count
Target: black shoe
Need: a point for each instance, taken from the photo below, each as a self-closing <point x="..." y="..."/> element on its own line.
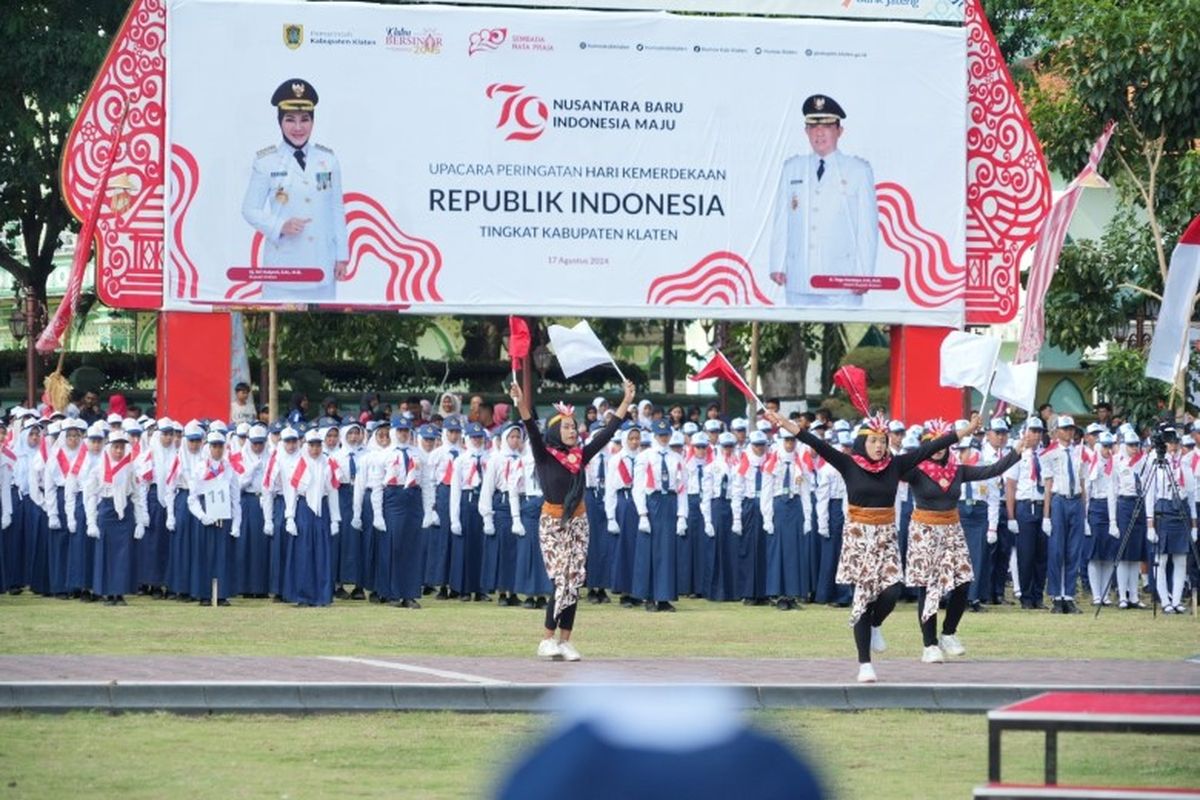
<point x="604" y="598"/>
<point x="15" y="592"/>
<point x="1040" y="605"/>
<point x="222" y="602"/>
<point x="626" y="601"/>
<point x="121" y="600"/>
<point x="157" y="593"/>
<point x="1058" y="608"/>
<point x="110" y="601"/>
<point x="1069" y="607"/>
<point x="426" y="591"/>
<point x="413" y="604"/>
<point x="341" y="594"/>
<point x="782" y="604"/>
<point x="593" y="597"/>
<point x="465" y="597"/>
<point x="483" y="597"/>
<point x="513" y="600"/>
<point x="653" y="607"/>
<point x="358" y="594"/>
<point x="530" y="603"/>
<point x="542" y="602"/>
<point x="1026" y="604"/>
<point x="977" y="607"/>
<point x="442" y="594"/>
<point x="375" y="598"/>
<point x="665" y="606"/>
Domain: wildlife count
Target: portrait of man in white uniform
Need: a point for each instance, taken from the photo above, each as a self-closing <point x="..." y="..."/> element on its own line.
<point x="825" y="223"/>
<point x="295" y="200"/>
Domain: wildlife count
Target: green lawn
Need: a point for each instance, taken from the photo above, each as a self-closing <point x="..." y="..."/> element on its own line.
<point x="870" y="754"/>
<point x="30" y="625"/>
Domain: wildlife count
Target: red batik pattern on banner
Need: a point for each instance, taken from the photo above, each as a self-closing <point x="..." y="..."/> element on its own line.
<point x="413" y="263"/>
<point x="129" y="240"/>
<point x="931" y="278"/>
<point x="185" y="180"/>
<point x="720" y="278"/>
<point x="1008" y="184"/>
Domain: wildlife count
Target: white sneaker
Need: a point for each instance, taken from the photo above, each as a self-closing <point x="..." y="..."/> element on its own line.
<point x="866" y="673"/>
<point x="1168" y="609"/>
<point x="932" y="655"/>
<point x="550" y="649"/>
<point x="951" y="645"/>
<point x="878" y="645"/>
<point x="568" y="651"/>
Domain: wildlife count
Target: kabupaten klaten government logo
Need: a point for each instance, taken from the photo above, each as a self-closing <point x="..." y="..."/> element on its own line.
<point x="293" y="36"/>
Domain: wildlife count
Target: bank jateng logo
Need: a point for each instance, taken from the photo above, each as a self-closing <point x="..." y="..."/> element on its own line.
<point x="486" y="39"/>
<point x="522" y="114"/>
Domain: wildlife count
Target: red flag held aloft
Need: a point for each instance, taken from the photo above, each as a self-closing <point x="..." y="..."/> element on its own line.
<point x="518" y="341"/>
<point x="853" y="381"/>
<point x="719" y="367"/>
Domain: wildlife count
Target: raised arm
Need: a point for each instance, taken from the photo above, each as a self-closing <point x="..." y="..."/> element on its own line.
<point x="536" y="444"/>
<point x="839" y="460"/>
<point x="971" y="474"/>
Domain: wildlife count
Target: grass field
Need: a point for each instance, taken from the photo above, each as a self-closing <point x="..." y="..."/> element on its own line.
<point x="30" y="625"/>
<point x="875" y="754"/>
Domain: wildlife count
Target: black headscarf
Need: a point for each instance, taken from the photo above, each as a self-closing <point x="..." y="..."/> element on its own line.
<point x="578" y="480"/>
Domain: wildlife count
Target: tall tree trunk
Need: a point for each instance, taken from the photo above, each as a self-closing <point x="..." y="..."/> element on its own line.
<point x="668" y="356"/>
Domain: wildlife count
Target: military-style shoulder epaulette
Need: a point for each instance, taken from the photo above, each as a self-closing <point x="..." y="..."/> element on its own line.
<point x="265" y="151"/>
<point x="322" y="147"/>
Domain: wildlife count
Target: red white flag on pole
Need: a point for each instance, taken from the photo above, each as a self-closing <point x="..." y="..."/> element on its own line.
<point x="51" y="338"/>
<point x="1049" y="246"/>
<point x="719" y="367"/>
<point x="1167" y="351"/>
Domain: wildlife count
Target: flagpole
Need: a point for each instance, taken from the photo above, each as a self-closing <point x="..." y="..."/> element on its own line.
<point x="988" y="389"/>
<point x="754" y="334"/>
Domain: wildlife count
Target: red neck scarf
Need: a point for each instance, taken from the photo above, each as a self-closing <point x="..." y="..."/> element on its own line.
<point x="941" y="474"/>
<point x="571" y="460"/>
<point x="872" y="466"/>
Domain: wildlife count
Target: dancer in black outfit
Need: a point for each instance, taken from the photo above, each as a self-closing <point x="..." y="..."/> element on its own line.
<point x="870" y="555"/>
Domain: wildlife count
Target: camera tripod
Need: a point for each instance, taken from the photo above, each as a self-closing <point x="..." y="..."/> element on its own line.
<point x="1180" y="507"/>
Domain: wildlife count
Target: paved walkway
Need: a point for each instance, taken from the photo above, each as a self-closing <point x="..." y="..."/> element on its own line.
<point x="236" y="683"/>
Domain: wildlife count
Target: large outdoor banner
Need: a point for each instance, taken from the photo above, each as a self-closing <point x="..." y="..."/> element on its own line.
<point x="484" y="160"/>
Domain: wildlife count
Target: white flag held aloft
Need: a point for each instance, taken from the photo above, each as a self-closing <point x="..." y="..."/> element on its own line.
<point x="1017" y="384"/>
<point x="968" y="360"/>
<point x="1170" y="332"/>
<point x="578" y="349"/>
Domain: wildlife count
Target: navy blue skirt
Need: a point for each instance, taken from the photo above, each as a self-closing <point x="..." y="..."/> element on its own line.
<point x="153" y="551"/>
<point x="59" y="547"/>
<point x="1173" y="524"/>
<point x="403" y="512"/>
<point x="437" y="540"/>
<point x="655" y="562"/>
<point x="599" y="546"/>
<point x="179" y="549"/>
<point x="37" y="546"/>
<point x="308" y="577"/>
<point x="783" y="557"/>
<point x="466" y="550"/>
<point x="724" y="565"/>
<point x="112" y="573"/>
<point x="531" y="577"/>
<point x="348" y="553"/>
<point x="253" y="549"/>
<point x="81" y="551"/>
<point x="1100" y="546"/>
<point x="626" y="544"/>
<point x="1136" y="548"/>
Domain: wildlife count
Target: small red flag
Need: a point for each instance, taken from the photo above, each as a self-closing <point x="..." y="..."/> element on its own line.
<point x="719" y="367"/>
<point x="853" y="381"/>
<point x="518" y="341"/>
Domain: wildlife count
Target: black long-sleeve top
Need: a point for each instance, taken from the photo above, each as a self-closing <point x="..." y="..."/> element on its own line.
<point x="553" y="476"/>
<point x="927" y="494"/>
<point x="874" y="489"/>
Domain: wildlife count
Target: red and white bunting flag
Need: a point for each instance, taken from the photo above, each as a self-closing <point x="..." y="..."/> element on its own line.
<point x="1049" y="246"/>
<point x="1167" y="352"/>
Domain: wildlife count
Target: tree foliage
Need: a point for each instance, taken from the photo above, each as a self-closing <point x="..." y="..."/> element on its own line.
<point x="52" y="49"/>
<point x="1135" y="62"/>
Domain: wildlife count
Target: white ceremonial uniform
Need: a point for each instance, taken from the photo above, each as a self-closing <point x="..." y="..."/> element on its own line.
<point x="217" y="484"/>
<point x="280" y="190"/>
<point x="648" y="478"/>
<point x="824" y="227"/>
<point x="700" y="483"/>
<point x="829" y="488"/>
<point x="785" y="476"/>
